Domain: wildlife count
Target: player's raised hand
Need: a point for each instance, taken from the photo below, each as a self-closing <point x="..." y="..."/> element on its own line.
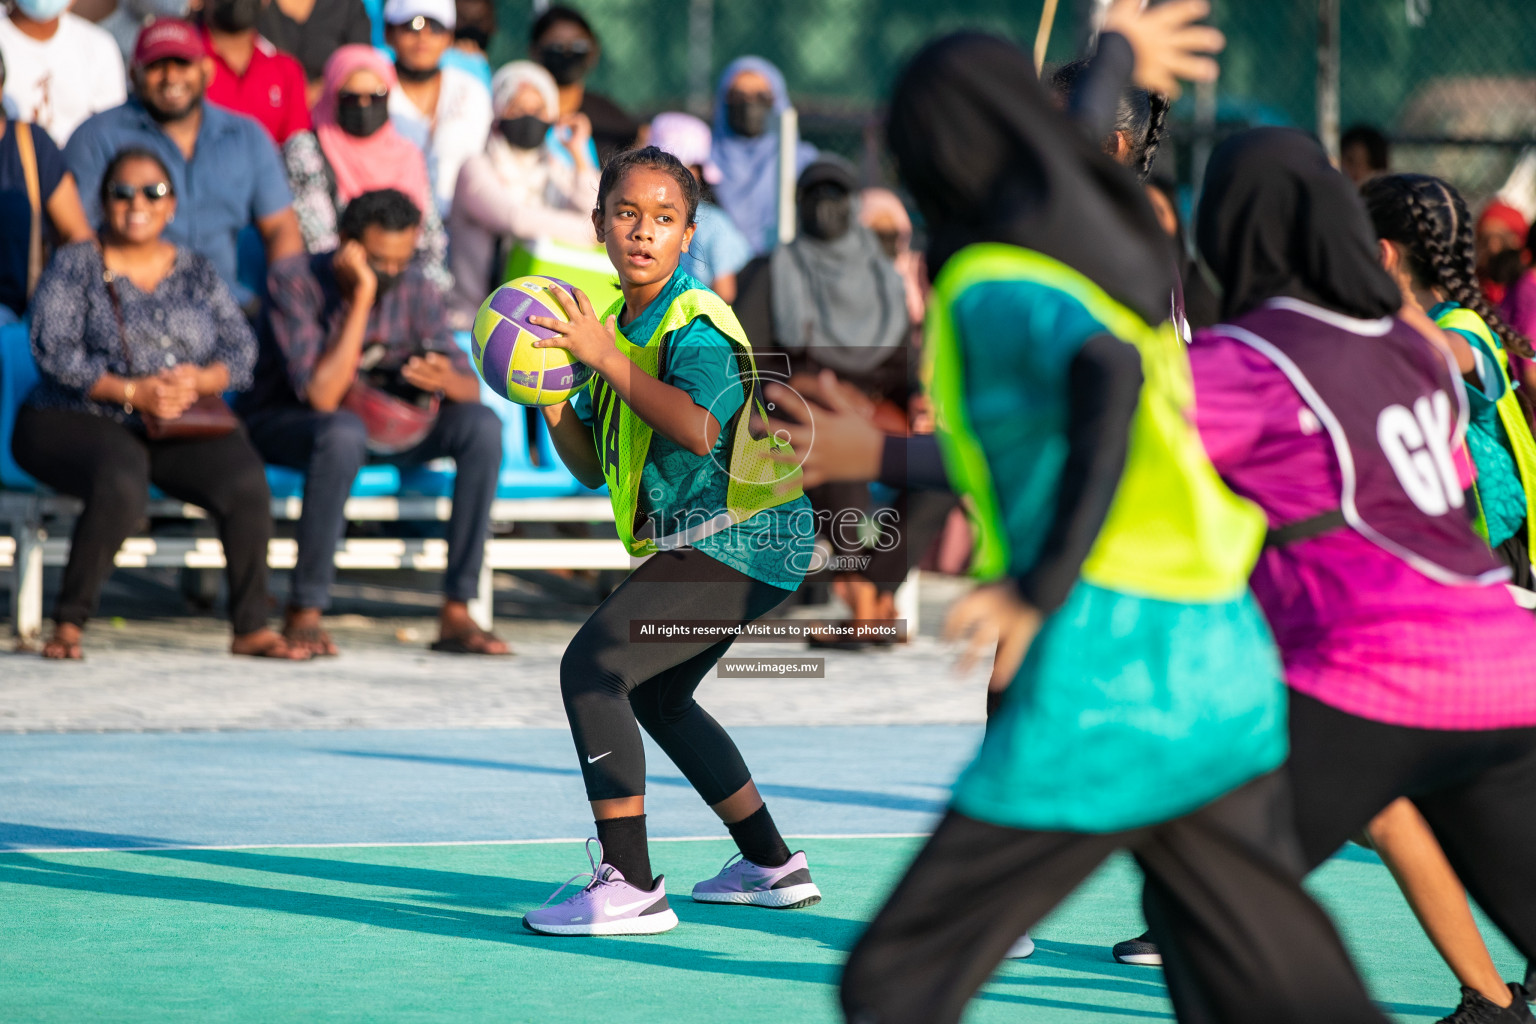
<point x="993" y="618"/>
<point x="829" y="428"/>
<point x="1170" y="43"/>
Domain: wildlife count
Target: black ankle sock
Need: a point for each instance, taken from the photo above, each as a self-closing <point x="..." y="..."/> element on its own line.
<point x="758" y="839"/>
<point x="625" y="848"/>
<point x="994" y="701"/>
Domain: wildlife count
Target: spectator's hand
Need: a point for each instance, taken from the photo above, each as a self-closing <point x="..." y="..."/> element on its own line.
<point x="830" y="427"/>
<point x="354" y="274"/>
<point x="994" y="618"/>
<point x="169" y="394"/>
<point x="580" y="127"/>
<point x="1170" y="46"/>
<point x="430" y="372"/>
<point x="587" y="338"/>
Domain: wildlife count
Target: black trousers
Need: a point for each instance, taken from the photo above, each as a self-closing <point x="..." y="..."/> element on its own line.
<point x="905" y="530"/>
<point x="1477" y="790"/>
<point x="331" y="447"/>
<point x="111" y="466"/>
<point x="1242" y="943"/>
<point x="612" y="687"/>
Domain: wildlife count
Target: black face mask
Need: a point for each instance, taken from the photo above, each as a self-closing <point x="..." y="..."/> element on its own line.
<point x="567" y="66"/>
<point x="361" y="121"/>
<point x="826" y="212"/>
<point x="234" y="15"/>
<point x="748" y="115"/>
<point x="416" y="74"/>
<point x="1506" y="267"/>
<point x="387" y="282"/>
<point x="525" y="132"/>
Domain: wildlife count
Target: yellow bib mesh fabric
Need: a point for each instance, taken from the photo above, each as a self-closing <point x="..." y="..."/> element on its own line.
<point x="1522" y="445"/>
<point x="1173" y="531"/>
<point x="624" y="439"/>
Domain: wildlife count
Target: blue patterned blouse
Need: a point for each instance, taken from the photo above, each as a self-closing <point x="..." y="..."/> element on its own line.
<point x="190" y="317"/>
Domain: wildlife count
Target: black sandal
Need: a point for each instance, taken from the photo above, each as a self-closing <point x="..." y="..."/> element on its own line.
<point x="472" y="642"/>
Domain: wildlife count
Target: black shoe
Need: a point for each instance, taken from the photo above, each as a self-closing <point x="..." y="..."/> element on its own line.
<point x="1476" y="1008"/>
<point x="1141" y="951"/>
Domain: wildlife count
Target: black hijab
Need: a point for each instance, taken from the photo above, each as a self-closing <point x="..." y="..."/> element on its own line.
<point x="988" y="159"/>
<point x="1277" y="219"/>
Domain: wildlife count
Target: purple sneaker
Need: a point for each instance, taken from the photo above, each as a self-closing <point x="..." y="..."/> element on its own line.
<point x="608" y="905"/>
<point x="786" y="887"/>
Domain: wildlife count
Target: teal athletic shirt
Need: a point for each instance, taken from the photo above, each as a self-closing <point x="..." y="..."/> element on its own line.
<point x="1498" y="481"/>
<point x="679" y="488"/>
<point x="1128" y="710"/>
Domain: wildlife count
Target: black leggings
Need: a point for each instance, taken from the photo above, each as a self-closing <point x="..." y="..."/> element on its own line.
<point x="1240" y="939"/>
<point x="610" y="683"/>
<point x="111" y="466"/>
<point x="1477" y="790"/>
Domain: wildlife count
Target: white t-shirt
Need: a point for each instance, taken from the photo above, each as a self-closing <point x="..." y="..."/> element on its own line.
<point x="457" y="132"/>
<point x="57" y="83"/>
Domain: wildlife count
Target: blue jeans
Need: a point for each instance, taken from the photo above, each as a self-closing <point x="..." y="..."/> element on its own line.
<point x="331" y="447"/>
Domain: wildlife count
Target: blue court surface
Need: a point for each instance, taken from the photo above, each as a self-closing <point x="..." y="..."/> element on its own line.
<point x="381" y="875"/>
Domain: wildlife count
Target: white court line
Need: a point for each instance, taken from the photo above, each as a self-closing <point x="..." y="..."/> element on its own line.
<point x="448" y="842"/>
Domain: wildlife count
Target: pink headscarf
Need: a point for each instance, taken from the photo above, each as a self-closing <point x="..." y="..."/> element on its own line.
<point x="876" y="204"/>
<point x="384" y="159"/>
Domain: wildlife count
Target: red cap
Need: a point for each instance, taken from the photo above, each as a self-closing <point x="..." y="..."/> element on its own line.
<point x="1502" y="213"/>
<point x="168" y="39"/>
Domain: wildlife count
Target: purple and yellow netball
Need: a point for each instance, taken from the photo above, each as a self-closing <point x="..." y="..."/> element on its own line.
<point x="503" y="345"/>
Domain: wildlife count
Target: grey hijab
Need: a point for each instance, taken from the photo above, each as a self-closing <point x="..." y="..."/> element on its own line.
<point x="840" y="298"/>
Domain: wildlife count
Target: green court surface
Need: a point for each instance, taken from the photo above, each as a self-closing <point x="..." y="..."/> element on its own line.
<point x="432" y="933"/>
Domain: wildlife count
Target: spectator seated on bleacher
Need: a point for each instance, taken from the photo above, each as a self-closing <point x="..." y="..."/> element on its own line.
<point x="444" y="110"/>
<point x="63" y="69"/>
<point x="223" y="165"/>
<point x="562" y="40"/>
<point x="126" y="337"/>
<point x="38" y="203"/>
<point x="718" y="250"/>
<point x="527" y="185"/>
<point x="353" y="149"/>
<point x="346" y="325"/>
<point x="832" y="299"/>
<point x="314" y="30"/>
<point x="250" y="75"/>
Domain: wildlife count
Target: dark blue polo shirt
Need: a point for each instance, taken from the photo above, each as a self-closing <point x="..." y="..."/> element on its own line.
<point x="235" y="176"/>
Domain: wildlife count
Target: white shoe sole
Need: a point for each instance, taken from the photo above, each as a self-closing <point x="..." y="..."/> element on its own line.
<point x="1142" y="959"/>
<point x="651" y="924"/>
<point x="791" y="897"/>
<point x="1022" y="948"/>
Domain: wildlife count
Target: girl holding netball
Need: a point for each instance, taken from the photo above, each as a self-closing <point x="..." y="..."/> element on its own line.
<point x="668" y="426"/>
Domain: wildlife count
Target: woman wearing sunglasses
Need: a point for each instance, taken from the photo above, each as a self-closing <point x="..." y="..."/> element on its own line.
<point x="128" y="337"/>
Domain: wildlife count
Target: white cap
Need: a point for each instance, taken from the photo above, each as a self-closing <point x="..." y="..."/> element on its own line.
<point x="400" y="12"/>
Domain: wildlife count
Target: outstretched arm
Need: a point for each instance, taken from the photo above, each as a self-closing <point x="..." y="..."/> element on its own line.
<point x="574" y="443"/>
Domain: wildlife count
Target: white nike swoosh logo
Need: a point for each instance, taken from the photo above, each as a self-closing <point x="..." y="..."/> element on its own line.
<point x="599" y="757"/>
<point x="609" y="907"/>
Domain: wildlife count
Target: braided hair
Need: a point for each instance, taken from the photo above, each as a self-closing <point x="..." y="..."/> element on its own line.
<point x="1428" y="217"/>
<point x="1141" y="116"/>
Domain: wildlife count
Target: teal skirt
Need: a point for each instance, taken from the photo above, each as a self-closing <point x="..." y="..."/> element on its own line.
<point x="1130" y="711"/>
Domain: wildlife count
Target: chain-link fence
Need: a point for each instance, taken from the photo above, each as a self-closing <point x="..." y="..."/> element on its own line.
<point x="1452" y="82"/>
